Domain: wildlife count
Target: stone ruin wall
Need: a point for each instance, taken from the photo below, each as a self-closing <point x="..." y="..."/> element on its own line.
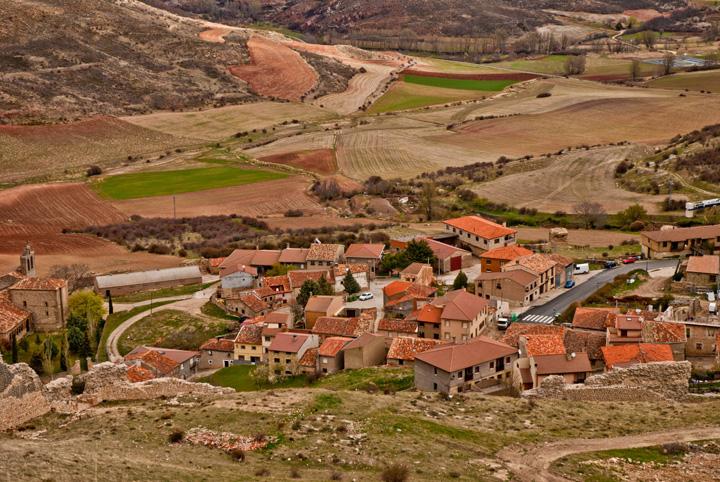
<point x="638" y="383"/>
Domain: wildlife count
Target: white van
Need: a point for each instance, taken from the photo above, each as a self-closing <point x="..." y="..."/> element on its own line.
<point x="713" y="308"/>
<point x="582" y="268"/>
<point x="711" y="296"/>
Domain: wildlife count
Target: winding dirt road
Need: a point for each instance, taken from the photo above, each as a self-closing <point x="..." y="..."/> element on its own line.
<point x="534" y="464"/>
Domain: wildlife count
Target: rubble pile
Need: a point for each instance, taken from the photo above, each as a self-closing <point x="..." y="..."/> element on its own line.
<point x="225" y="441"/>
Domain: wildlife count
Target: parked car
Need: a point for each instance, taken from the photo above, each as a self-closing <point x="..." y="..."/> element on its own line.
<point x="582" y="268"/>
<point x="629" y="260"/>
<point x="570" y="283"/>
<point x="365" y="296"/>
<point x="503" y="323"/>
<point x="610" y="264"/>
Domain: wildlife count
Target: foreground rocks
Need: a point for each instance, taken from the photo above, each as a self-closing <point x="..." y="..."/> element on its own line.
<point x="24" y="397"/>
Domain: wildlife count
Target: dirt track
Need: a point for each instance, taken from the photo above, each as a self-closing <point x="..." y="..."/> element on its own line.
<point x="534" y="464"/>
<point x="276" y="70"/>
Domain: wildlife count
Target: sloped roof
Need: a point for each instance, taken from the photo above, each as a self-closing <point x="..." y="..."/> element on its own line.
<point x="560" y="364"/>
<point x="631" y="354"/>
<point x="265" y="257"/>
<point x="293" y="255"/>
<point x="406" y="348"/>
<point x="451" y="358"/>
<point x="278" y="317"/>
<point x="506" y="253"/>
<point x="288" y="342"/>
<point x="460" y="305"/>
<point x="324" y="252"/>
<point x="298" y="277"/>
<point x="280" y="284"/>
<point x="252" y="301"/>
<point x="162" y="360"/>
<point x="593" y="318"/>
<point x="443" y="251"/>
<point x="43" y="284"/>
<point x="512" y="334"/>
<point x="10" y="279"/>
<point x="250" y="334"/>
<point x="587" y="341"/>
<point x="398" y="326"/>
<point x="239" y="268"/>
<point x="218" y="344"/>
<point x="365" y="251"/>
<point x="309" y="358"/>
<point x="537" y="263"/>
<point x="628" y="321"/>
<point x="429" y="314"/>
<point x="332" y="346"/>
<point x="414" y="268"/>
<point x="415" y="290"/>
<point x="553" y="344"/>
<point x="144" y="277"/>
<point x="709" y="264"/>
<point x="364" y="340"/>
<point x="683" y="234"/>
<point x="11" y="316"/>
<point x="519" y="276"/>
<point x="560" y="259"/>
<point x="337" y="326"/>
<point x="663" y="332"/>
<point x="136" y="373"/>
<point x="481" y="227"/>
<point x="321" y="303"/>
<point x="355" y="268"/>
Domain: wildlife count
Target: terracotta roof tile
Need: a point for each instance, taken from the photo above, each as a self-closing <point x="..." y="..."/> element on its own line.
<point x="265" y="257"/>
<point x="507" y="253"/>
<point x="519" y="276"/>
<point x="480" y="227"/>
<point x="325" y="252"/>
<point x="250" y="334"/>
<point x="365" y="251"/>
<point x="628" y="321"/>
<point x="136" y="373"/>
<point x="341" y="270"/>
<point x="215" y="262"/>
<point x="298" y="277"/>
<point x="219" y="344"/>
<point x="309" y="358"/>
<point x="683" y="234"/>
<point x="280" y="284"/>
<point x="288" y="342"/>
<point x="451" y="358"/>
<point x="336" y="326"/>
<point x="414" y="290"/>
<point x="537" y="263"/>
<point x="252" y="301"/>
<point x="704" y="264"/>
<point x="587" y="341"/>
<point x="321" y="303"/>
<point x="442" y="251"/>
<point x="332" y="346"/>
<point x="536" y="345"/>
<point x="157" y="361"/>
<point x="11" y="316"/>
<point x="632" y="354"/>
<point x="39" y="284"/>
<point x="398" y="326"/>
<point x="560" y="364"/>
<point x="560" y="259"/>
<point x="663" y="332"/>
<point x="593" y="318"/>
<point x="364" y="340"/>
<point x="293" y="255"/>
<point x="405" y="348"/>
<point x="512" y="334"/>
<point x="460" y="305"/>
<point x="414" y="268"/>
<point x="429" y="314"/>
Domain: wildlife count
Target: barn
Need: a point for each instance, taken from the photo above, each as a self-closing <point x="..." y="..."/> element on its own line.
<point x="127" y="283"/>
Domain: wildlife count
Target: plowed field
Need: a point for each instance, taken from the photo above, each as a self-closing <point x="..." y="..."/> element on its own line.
<point x="276" y="70"/>
<point x="321" y="161"/>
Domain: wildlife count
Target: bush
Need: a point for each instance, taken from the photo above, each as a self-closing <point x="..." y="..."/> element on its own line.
<point x="78" y="386"/>
<point x="395" y="473"/>
<point x="176" y="436"/>
<point x="336" y="476"/>
<point x="93" y="171"/>
<point x="262" y="473"/>
<point x="637" y="226"/>
<point x="293" y="213"/>
<point x="542" y="95"/>
<point x="238" y="454"/>
<point x="674" y="448"/>
<point x="295" y="473"/>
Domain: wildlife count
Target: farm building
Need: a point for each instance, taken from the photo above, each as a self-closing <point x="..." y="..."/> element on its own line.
<point x="703" y="270"/>
<point x="680" y="241"/>
<point x="449" y="258"/>
<point x="240" y="277"/>
<point x="126" y="283"/>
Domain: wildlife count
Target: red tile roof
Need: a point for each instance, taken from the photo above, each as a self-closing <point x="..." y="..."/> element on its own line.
<point x="587" y="341"/>
<point x="414" y="268"/>
<point x="507" y="253"/>
<point x="321" y="303"/>
<point x="460" y="305"/>
<point x="414" y="290"/>
<point x="266" y="257"/>
<point x="429" y="314"/>
<point x="364" y="340"/>
<point x="136" y="373"/>
<point x="325" y="252"/>
<point x="398" y="326"/>
<point x="215" y="262"/>
<point x="593" y="318"/>
<point x="536" y="263"/>
<point x="480" y="227"/>
<point x="293" y="255"/>
<point x="443" y="251"/>
<point x="704" y="264"/>
<point x="536" y="345"/>
<point x="560" y="364"/>
<point x="253" y="301"/>
<point x="683" y="234"/>
<point x="336" y="326"/>
<point x="298" y="277"/>
<point x="11" y="316"/>
<point x="479" y="350"/>
<point x="280" y="284"/>
<point x="278" y="317"/>
<point x="519" y="276"/>
<point x="663" y="332"/>
<point x="219" y="344"/>
<point x="239" y="268"/>
<point x="405" y="348"/>
<point x="625" y="355"/>
<point x="162" y="360"/>
<point x="250" y="334"/>
<point x="309" y="358"/>
<point x="628" y="322"/>
<point x="512" y="334"/>
<point x="365" y="251"/>
<point x="41" y="284"/>
<point x="332" y="346"/>
<point x="288" y="342"/>
<point x="341" y="270"/>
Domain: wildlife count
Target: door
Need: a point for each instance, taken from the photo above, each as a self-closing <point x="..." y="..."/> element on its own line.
<point x="499" y="365"/>
<point x="455" y="263"/>
<point x="227" y="363"/>
<point x="468" y="374"/>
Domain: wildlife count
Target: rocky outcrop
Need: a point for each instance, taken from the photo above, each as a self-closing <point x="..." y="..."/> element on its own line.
<point x="21" y="395"/>
<point x="644" y="382"/>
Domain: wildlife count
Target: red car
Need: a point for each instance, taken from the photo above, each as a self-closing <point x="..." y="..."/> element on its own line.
<point x="629" y="260"/>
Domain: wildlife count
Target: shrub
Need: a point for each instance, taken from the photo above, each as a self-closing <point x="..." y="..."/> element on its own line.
<point x="336" y="476"/>
<point x="674" y="448"/>
<point x="264" y="472"/>
<point x="293" y="213"/>
<point x="238" y="454"/>
<point x="295" y="473"/>
<point x="93" y="171"/>
<point x="176" y="436"/>
<point x="542" y="95"/>
<point x="395" y="473"/>
<point x="78" y="386"/>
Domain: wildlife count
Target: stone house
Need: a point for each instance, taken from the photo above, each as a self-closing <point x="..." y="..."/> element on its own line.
<point x="516" y="287"/>
<point x="680" y="241"/>
<point x="418" y="273"/>
<point x="325" y="255"/>
<point x="428" y="320"/>
<point x="703" y="271"/>
<point x="331" y="358"/>
<point x="164" y="362"/>
<point x="287" y="349"/>
<point x="400" y="298"/>
<point x="457" y="368"/>
<point x="367" y="254"/>
<point x="216" y="353"/>
<point x="596" y="319"/>
<point x="701" y="335"/>
<point x="360" y="272"/>
<point x="392" y="328"/>
<point x="544" y="355"/>
<point x="14" y="322"/>
<point x="480" y="234"/>
<point x="246" y="303"/>
<point x="634" y="354"/>
<point x="260" y="259"/>
<point x="279" y="285"/>
<point x="127" y="283"/>
<point x="564" y="269"/>
<point x="45" y="298"/>
<point x="403" y="349"/>
<point x="464" y="316"/>
<point x="330" y="326"/>
<point x="321" y="305"/>
<point x="538" y="264"/>
<point x="666" y="333"/>
<point x="365" y="351"/>
<point x="294" y="257"/>
<point x="626" y="328"/>
<point x="248" y="343"/>
<point x="241" y="277"/>
<point x="308" y="364"/>
<point x="493" y="260"/>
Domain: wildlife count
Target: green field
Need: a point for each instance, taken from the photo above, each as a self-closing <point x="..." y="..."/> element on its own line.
<point x="454" y="66"/>
<point x="404" y="95"/>
<point x="461" y="84"/>
<point x="550" y="64"/>
<point x="162" y="183"/>
<point x="707" y="80"/>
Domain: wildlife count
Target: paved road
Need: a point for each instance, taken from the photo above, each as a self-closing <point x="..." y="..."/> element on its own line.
<point x="580" y="292"/>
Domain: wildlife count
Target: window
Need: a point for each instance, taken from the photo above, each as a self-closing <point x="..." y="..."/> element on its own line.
<point x="507" y="359"/>
<point x="447" y="336"/>
<point x="698" y="346"/>
<point x="477" y="369"/>
<point x="435" y="386"/>
<point x="209" y="362"/>
<point x="401" y="362"/>
<point x="253" y="347"/>
<point x="277" y="360"/>
<point x="242" y="347"/>
<point x="324" y="360"/>
<point x="24" y="304"/>
<point x="492" y="364"/>
<point x="465" y="325"/>
<point x="46" y="304"/>
<point x="435" y="370"/>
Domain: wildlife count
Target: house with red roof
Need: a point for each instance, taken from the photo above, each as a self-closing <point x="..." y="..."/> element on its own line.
<point x="545" y="355"/>
<point x="394" y="327"/>
<point x="367" y="350"/>
<point x="596" y="319"/>
<point x="703" y="270"/>
<point x="400" y="298"/>
<point x="428" y="320"/>
<point x="493" y="260"/>
<point x="329" y="326"/>
<point x="331" y="357"/>
<point x="14" y="322"/>
<point x="287" y="349"/>
<point x="635" y="353"/>
<point x="248" y="343"/>
<point x="248" y="303"/>
<point x="164" y="362"/>
<point x="457" y="368"/>
<point x="536" y="264"/>
<point x="516" y="287"/>
<point x="480" y="234"/>
<point x="218" y="352"/>
<point x="322" y="305"/>
<point x="464" y="316"/>
<point x="449" y="257"/>
<point x="238" y="277"/>
<point x="367" y="254"/>
<point x="418" y="273"/>
<point x="403" y="349"/>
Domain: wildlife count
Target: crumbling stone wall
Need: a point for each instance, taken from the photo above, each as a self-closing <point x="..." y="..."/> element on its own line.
<point x="21" y="396"/>
<point x="645" y="382"/>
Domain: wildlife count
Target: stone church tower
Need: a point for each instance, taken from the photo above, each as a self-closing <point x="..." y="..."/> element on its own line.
<point x="27" y="261"/>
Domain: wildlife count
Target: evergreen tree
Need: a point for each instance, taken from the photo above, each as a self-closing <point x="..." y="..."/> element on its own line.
<point x="350" y="283"/>
<point x="308" y="289"/>
<point x="89" y="306"/>
<point x="461" y="281"/>
<point x="13" y="350"/>
<point x="325" y="288"/>
<point x="77" y="335"/>
<point x="418" y="251"/>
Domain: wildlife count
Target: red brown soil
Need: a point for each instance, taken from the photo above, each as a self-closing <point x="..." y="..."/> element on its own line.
<point x="90" y="128"/>
<point x="644" y="14"/>
<point x="509" y="76"/>
<point x="321" y="161"/>
<point x="259" y="199"/>
<point x="214" y="35"/>
<point x="579" y="237"/>
<point x="39" y="213"/>
<point x="276" y="70"/>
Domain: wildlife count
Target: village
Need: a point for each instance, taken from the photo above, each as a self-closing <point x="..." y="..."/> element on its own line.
<point x="460" y="309"/>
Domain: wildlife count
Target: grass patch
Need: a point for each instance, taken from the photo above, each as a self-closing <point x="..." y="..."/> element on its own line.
<point x="238" y="378"/>
<point x="161" y="293"/>
<point x="390" y="379"/>
<point x="696" y="81"/>
<point x="550" y="64"/>
<point x="325" y="402"/>
<point x="404" y="96"/>
<point x="461" y="84"/>
<point x="171" y="329"/>
<point x="161" y="183"/>
<point x="213" y="310"/>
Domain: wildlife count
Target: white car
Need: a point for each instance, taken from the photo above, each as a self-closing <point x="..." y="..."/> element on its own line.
<point x="365" y="296"/>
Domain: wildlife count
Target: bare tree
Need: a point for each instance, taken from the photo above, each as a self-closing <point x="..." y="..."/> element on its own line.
<point x="668" y="62"/>
<point x="78" y="275"/>
<point x="635" y="70"/>
<point x="591" y="213"/>
<point x="574" y="65"/>
<point x="427" y="199"/>
<point x="648" y="38"/>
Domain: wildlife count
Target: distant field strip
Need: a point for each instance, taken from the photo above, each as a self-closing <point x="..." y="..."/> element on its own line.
<point x="461" y="84"/>
<point x="160" y="183"/>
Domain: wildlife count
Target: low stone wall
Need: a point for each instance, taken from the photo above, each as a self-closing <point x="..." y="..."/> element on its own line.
<point x="21" y="396"/>
<point x="645" y="382"/>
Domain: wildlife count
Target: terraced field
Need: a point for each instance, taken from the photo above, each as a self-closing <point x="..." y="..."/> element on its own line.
<point x="696" y="81"/>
